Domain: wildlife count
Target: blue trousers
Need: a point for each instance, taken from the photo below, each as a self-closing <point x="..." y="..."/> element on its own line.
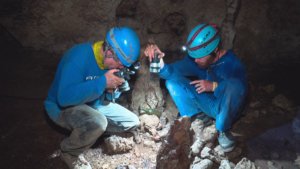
<point x="224" y="104"/>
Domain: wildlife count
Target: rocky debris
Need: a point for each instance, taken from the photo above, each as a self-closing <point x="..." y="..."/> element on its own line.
<point x="203" y="164"/>
<point x="269" y="88"/>
<point x="162" y="133"/>
<point x="230" y="156"/>
<point x="282" y="102"/>
<point x="197" y="146"/>
<point x="117" y="144"/>
<point x="225" y="164"/>
<point x="255" y="105"/>
<point x="209" y="134"/>
<point x="150" y="123"/>
<point x="137" y="137"/>
<point x="180" y="144"/>
<point x="82" y="163"/>
<point x="271" y="165"/>
<point x="297" y="161"/>
<point x="245" y="164"/>
<point x="174" y="150"/>
<point x="55" y="154"/>
<point x="210" y="154"/>
<point x="125" y="166"/>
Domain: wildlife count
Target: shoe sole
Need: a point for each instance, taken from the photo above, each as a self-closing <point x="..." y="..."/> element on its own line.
<point x="227" y="150"/>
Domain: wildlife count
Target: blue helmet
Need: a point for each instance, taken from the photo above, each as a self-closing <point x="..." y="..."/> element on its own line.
<point x="125" y="43"/>
<point x="203" y="40"/>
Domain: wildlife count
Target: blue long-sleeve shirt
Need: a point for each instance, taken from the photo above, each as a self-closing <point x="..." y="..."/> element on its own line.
<point x="78" y="80"/>
<point x="228" y="66"/>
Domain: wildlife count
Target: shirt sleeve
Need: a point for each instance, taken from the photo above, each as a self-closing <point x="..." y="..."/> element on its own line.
<point x="73" y="89"/>
<point x="184" y="67"/>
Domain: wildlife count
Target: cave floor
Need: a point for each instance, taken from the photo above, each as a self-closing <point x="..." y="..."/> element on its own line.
<point x="28" y="137"/>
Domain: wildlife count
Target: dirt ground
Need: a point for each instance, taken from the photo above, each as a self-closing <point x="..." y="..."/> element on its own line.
<point x="28" y="137"/>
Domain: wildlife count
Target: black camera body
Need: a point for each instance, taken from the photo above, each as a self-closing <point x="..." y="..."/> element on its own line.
<point x="125" y="73"/>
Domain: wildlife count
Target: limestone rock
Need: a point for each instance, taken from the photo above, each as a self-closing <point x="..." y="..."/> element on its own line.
<point x="203" y="164"/>
<point x="125" y="166"/>
<point x="209" y="154"/>
<point x="174" y="150"/>
<point x="225" y="164"/>
<point x="209" y="134"/>
<point x="149" y="123"/>
<point x="197" y="146"/>
<point x="245" y="164"/>
<point x="231" y="155"/>
<point x="282" y="102"/>
<point x="119" y="144"/>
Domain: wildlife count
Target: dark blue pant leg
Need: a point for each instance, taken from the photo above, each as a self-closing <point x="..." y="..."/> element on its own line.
<point x="230" y="96"/>
<point x="223" y="105"/>
<point x="185" y="96"/>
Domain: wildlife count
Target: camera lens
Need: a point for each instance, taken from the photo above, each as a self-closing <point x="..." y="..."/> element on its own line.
<point x="124" y="87"/>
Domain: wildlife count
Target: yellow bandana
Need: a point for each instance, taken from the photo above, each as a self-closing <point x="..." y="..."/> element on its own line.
<point x="98" y="56"/>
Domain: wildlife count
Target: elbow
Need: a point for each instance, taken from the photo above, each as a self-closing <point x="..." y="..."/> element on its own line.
<point x="62" y="101"/>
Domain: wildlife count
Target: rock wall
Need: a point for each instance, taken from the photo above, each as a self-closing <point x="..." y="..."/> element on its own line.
<point x="266" y="31"/>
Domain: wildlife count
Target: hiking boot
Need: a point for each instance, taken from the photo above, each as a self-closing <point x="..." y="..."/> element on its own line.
<point x="68" y="159"/>
<point x="226" y="141"/>
<point x="203" y="117"/>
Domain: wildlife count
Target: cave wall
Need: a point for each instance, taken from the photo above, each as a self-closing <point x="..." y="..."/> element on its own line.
<point x="266" y="31"/>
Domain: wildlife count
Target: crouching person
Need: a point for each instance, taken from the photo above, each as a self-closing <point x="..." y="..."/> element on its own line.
<point x="222" y="86"/>
<point x="84" y="78"/>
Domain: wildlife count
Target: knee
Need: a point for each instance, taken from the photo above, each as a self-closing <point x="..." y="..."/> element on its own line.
<point x="176" y="83"/>
<point x="234" y="85"/>
<point x="97" y="125"/>
<point x="170" y="83"/>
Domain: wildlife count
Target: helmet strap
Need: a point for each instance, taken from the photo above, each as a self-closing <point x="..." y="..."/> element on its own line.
<point x="106" y="48"/>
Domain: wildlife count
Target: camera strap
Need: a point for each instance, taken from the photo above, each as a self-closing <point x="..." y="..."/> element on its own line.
<point x="212" y="75"/>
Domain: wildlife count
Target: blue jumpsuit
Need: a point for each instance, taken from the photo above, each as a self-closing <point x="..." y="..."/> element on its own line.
<point x="224" y="104"/>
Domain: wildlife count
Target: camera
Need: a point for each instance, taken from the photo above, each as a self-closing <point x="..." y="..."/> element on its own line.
<point x="155" y="64"/>
<point x="125" y="73"/>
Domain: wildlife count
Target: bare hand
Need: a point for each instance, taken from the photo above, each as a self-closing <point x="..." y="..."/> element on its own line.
<point x="113" y="81"/>
<point x="151" y="49"/>
<point x="203" y="85"/>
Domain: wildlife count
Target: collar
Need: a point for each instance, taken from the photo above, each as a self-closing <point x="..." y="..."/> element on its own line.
<point x="98" y="56"/>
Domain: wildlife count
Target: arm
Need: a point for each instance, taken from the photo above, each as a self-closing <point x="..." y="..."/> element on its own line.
<point x="74" y="90"/>
<point x="184" y="67"/>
